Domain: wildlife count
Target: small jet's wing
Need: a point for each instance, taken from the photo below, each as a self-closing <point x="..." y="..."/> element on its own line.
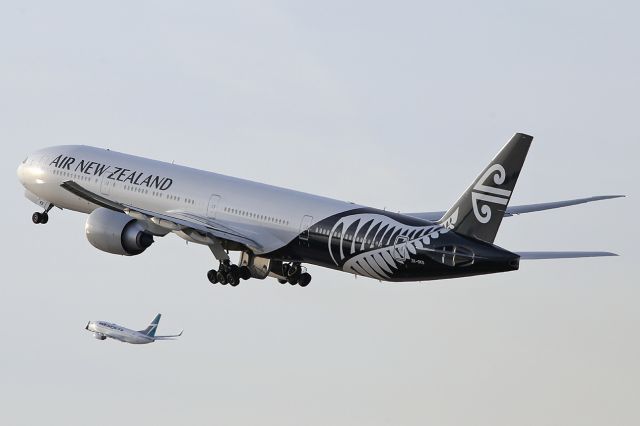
<point x="196" y="226"/>
<point x="526" y="208"/>
<point x="171" y="337"/>
<point x="537" y="255"/>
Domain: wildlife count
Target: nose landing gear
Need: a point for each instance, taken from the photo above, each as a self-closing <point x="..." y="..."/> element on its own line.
<point x="41" y="218"/>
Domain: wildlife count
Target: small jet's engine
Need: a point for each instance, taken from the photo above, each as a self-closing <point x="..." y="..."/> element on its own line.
<point x="99" y="336"/>
<point x="116" y="233"/>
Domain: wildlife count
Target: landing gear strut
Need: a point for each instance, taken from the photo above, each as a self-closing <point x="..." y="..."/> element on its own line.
<point x="295" y="274"/>
<point x="41" y="218"/>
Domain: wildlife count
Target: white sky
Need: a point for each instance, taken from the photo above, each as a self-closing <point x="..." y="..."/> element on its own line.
<point x="391" y="104"/>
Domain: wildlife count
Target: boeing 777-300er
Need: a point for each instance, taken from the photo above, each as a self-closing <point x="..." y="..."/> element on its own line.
<point x="102" y="329"/>
<point x="131" y="200"/>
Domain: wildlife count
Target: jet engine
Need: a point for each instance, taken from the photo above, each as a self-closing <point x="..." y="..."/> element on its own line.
<point x="99" y="336"/>
<point x="116" y="233"/>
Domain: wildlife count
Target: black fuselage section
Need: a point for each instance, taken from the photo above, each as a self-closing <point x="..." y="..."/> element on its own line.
<point x="394" y="247"/>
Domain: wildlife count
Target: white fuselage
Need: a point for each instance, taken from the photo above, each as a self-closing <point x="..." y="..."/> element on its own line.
<point x="115" y="331"/>
<point x="165" y="187"/>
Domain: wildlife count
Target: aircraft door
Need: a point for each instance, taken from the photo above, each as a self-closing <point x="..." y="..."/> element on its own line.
<point x="212" y="207"/>
<point x="305" y="224"/>
<point x="400" y="253"/>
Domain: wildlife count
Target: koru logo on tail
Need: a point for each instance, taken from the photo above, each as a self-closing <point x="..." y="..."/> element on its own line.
<point x="489" y="194"/>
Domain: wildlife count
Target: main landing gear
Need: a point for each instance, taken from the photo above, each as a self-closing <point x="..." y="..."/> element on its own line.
<point x="41" y="218"/>
<point x="228" y="274"/>
<point x="295" y="274"/>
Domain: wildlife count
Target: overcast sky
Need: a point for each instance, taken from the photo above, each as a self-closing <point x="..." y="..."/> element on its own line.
<point x="389" y="104"/>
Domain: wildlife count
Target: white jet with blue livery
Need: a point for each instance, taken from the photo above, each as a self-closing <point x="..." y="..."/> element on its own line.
<point x="102" y="329"/>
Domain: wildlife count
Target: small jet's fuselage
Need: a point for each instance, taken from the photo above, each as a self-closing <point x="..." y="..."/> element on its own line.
<point x="102" y="329"/>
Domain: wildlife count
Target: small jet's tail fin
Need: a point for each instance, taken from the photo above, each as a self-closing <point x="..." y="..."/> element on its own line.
<point x="479" y="211"/>
<point x="151" y="330"/>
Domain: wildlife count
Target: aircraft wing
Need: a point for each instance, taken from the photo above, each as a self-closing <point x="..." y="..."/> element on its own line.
<point x="526" y="208"/>
<point x="194" y="225"/>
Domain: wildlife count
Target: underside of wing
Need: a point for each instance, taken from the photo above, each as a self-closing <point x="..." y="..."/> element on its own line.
<point x="526" y="208"/>
<point x="199" y="228"/>
<point x="538" y="255"/>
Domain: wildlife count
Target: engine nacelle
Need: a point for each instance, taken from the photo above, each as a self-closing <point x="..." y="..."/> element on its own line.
<point x="116" y="233"/>
<point x="99" y="336"/>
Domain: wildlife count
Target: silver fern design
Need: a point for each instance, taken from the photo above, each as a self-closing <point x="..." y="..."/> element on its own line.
<point x="375" y="246"/>
<point x="489" y="194"/>
<point x="450" y="222"/>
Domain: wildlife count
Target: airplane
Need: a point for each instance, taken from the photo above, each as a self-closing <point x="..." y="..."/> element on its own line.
<point x="131" y="200"/>
<point x="102" y="329"/>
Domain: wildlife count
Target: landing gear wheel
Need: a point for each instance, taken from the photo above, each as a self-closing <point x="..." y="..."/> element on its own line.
<point x="245" y="273"/>
<point x="233" y="279"/>
<point x="222" y="279"/>
<point x="212" y="275"/>
<point x="281" y="281"/>
<point x="292" y="279"/>
<point x="44" y="218"/>
<point x="293" y="270"/>
<point x="304" y="279"/>
<point x="36" y="218"/>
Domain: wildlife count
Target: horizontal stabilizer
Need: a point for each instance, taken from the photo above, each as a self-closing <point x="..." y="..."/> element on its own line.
<point x="537" y="255"/>
<point x="526" y="208"/>
<point x="515" y="210"/>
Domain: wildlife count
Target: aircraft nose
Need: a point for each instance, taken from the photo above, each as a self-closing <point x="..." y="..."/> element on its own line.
<point x="30" y="172"/>
<point x="20" y="172"/>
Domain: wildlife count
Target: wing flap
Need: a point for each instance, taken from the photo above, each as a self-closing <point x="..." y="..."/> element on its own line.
<point x="173" y="222"/>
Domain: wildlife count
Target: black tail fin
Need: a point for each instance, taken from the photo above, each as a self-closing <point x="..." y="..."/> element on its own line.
<point x="479" y="211"/>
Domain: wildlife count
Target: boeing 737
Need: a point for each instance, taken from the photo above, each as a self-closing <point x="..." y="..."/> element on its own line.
<point x="102" y="329"/>
<point x="132" y="200"/>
